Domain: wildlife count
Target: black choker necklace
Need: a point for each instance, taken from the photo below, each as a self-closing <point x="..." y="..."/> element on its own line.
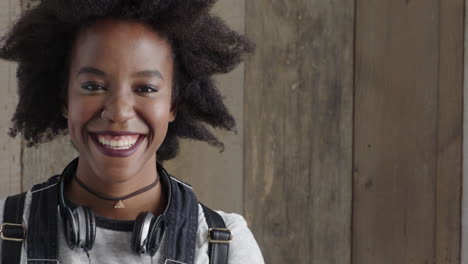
<point x="119" y="204"/>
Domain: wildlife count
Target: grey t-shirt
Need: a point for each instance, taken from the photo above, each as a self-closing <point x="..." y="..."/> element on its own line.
<point x="112" y="244"/>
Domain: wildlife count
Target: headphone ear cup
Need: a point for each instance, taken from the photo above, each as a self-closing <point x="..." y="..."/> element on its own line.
<point x="139" y="238"/>
<point x="90" y="229"/>
<point x="136" y="233"/>
<point x="155" y="235"/>
<point x="70" y="227"/>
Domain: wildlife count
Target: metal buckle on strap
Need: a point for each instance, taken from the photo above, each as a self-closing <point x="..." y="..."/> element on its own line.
<point x="212" y="240"/>
<point x="3" y="225"/>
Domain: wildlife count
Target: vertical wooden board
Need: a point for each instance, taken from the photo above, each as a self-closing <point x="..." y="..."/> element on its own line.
<point x="10" y="149"/>
<point x="449" y="140"/>
<point x="464" y="224"/>
<point x="298" y="129"/>
<point x="217" y="178"/>
<point x="396" y="132"/>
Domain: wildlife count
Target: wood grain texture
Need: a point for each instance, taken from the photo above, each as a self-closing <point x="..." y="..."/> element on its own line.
<point x="10" y="148"/>
<point x="449" y="132"/>
<point x="395" y="150"/>
<point x="407" y="132"/>
<point x="464" y="232"/>
<point x="217" y="178"/>
<point x="298" y="129"/>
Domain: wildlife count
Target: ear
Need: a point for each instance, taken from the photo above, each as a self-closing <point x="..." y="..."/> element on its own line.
<point x="64" y="110"/>
<point x="172" y="114"/>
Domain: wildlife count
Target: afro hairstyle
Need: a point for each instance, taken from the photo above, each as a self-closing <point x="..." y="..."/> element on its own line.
<point x="203" y="45"/>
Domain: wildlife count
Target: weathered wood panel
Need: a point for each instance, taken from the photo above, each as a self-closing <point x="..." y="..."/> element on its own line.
<point x="464" y="233"/>
<point x="218" y="178"/>
<point x="407" y="132"/>
<point x="395" y="147"/>
<point x="298" y="129"/>
<point x="10" y="149"/>
<point x="449" y="132"/>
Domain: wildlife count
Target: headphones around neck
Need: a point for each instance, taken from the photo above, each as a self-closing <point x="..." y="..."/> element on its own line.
<point x="79" y="224"/>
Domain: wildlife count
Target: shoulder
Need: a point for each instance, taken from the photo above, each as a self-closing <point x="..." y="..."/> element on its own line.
<point x="26" y="204"/>
<point x="28" y="198"/>
<point x="26" y="207"/>
<point x="243" y="247"/>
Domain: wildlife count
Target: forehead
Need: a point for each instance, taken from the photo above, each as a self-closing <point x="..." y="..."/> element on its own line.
<point x="118" y="44"/>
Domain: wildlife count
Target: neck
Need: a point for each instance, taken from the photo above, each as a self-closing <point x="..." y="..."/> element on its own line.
<point x="152" y="200"/>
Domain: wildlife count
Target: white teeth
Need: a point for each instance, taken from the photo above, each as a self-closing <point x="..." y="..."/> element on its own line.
<point x="117" y="144"/>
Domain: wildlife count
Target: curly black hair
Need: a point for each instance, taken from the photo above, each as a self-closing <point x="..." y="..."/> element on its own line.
<point x="203" y="45"/>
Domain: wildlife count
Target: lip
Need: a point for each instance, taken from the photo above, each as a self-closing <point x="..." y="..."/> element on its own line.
<point x="116" y="152"/>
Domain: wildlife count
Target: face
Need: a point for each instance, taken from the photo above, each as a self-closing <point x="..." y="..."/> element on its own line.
<point x="119" y="97"/>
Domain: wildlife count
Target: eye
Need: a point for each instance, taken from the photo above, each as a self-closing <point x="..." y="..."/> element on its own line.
<point x="92" y="86"/>
<point x="146" y="89"/>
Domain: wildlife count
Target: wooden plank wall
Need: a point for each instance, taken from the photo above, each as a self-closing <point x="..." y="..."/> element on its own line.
<point x="464" y="233"/>
<point x="407" y="136"/>
<point x="449" y="132"/>
<point x="298" y="129"/>
<point x="407" y="131"/>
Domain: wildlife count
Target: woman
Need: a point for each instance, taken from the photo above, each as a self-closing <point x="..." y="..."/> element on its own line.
<point x="125" y="79"/>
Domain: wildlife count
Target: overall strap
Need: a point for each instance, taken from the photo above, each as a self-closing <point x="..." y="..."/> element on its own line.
<point x="182" y="222"/>
<point x="12" y="229"/>
<point x="43" y="232"/>
<point x="219" y="237"/>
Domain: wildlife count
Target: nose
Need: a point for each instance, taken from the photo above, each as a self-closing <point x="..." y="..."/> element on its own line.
<point x="118" y="108"/>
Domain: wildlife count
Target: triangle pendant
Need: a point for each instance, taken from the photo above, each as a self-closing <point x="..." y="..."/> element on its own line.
<point x="119" y="204"/>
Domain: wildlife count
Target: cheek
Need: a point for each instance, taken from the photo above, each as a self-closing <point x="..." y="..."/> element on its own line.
<point x="158" y="116"/>
<point x="161" y="113"/>
<point x="80" y="111"/>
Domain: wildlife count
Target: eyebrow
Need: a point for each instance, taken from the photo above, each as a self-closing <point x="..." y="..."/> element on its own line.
<point x="146" y="73"/>
<point x="91" y="70"/>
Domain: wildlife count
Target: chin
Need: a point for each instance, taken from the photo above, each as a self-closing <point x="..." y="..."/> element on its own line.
<point x="117" y="173"/>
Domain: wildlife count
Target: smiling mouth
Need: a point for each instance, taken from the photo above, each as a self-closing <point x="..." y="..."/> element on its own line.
<point x="117" y="144"/>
